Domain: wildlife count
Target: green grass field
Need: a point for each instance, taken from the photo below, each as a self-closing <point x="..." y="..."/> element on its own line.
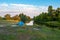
<point x="29" y="33"/>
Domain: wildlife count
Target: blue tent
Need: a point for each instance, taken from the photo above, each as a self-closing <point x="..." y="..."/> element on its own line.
<point x="21" y="23"/>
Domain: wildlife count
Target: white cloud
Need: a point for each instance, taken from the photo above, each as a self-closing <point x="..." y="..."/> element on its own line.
<point x="4" y="4"/>
<point x="14" y="9"/>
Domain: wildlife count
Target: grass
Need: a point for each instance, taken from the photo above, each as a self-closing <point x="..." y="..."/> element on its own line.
<point x="28" y="33"/>
<point x="19" y="33"/>
<point x="7" y="37"/>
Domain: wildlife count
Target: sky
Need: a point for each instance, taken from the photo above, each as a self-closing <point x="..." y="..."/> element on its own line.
<point x="28" y="7"/>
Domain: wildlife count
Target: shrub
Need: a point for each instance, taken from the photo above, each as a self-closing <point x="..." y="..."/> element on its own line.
<point x="53" y="24"/>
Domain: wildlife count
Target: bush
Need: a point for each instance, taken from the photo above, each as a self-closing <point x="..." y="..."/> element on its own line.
<point x="53" y="24"/>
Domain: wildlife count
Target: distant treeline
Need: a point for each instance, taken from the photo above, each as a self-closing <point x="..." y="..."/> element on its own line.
<point x="20" y="17"/>
<point x="50" y="18"/>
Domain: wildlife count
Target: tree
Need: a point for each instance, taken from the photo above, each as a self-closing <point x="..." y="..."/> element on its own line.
<point x="40" y="19"/>
<point x="7" y="17"/>
<point x="52" y="18"/>
<point x="58" y="10"/>
<point x="24" y="18"/>
<point x="28" y="19"/>
<point x="16" y="17"/>
<point x="50" y="8"/>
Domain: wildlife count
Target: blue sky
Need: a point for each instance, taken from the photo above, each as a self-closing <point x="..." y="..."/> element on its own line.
<point x="29" y="7"/>
<point x="54" y="3"/>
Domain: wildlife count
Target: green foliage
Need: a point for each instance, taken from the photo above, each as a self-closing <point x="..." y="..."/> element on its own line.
<point x="52" y="15"/>
<point x="53" y="24"/>
<point x="50" y="9"/>
<point x="24" y="18"/>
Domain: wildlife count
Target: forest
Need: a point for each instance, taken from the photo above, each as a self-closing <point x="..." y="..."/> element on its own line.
<point x="50" y="18"/>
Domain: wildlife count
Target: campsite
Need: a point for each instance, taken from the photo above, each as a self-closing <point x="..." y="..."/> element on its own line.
<point x="34" y="32"/>
<point x="29" y="19"/>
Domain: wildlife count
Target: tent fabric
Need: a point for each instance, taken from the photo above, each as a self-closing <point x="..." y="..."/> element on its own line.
<point x="21" y="23"/>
